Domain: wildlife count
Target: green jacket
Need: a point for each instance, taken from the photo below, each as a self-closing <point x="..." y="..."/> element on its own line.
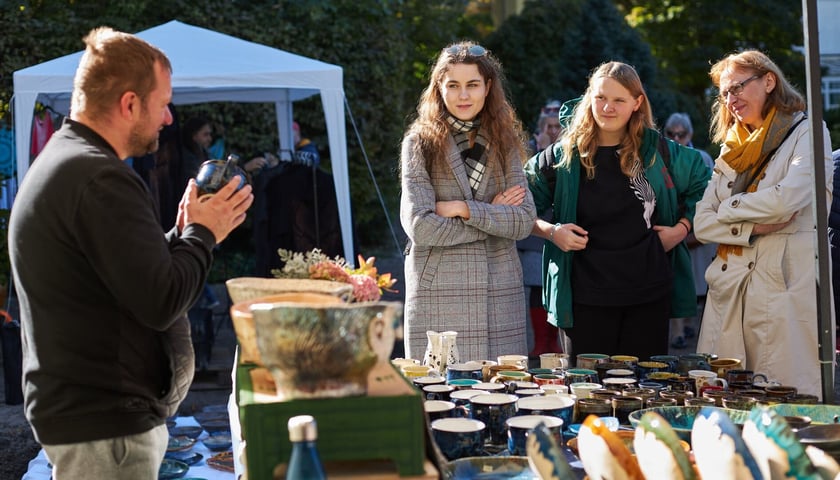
<point x="678" y="187"/>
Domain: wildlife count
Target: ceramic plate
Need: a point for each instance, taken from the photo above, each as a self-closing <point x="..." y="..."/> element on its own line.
<point x="186" y="431"/>
<point x="222" y="461"/>
<point x="172" y="469"/>
<point x="190" y="458"/>
<point x="474" y="468"/>
<point x="179" y="444"/>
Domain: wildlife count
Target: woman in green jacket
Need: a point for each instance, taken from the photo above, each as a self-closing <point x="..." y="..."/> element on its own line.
<point x="615" y="263"/>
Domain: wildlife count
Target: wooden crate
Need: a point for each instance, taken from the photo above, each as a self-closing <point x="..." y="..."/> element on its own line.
<point x="385" y="427"/>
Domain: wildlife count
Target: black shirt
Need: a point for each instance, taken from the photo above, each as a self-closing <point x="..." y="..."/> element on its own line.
<point x="624" y="262"/>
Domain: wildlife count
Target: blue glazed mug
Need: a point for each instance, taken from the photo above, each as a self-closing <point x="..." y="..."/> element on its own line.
<point x="469" y="370"/>
<point x="459" y="437"/>
<point x="521" y="426"/>
<point x="494" y="410"/>
<point x="438" y="392"/>
<point x="671" y="360"/>
<point x="437" y="409"/>
<point x="553" y="405"/>
<point x="694" y="361"/>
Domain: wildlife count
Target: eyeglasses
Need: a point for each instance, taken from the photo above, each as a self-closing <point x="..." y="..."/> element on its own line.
<point x="737" y="89"/>
<point x="550" y="110"/>
<point x="676" y="135"/>
<point x="472" y="50"/>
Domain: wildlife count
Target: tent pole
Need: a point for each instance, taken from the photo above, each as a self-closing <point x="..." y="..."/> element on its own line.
<point x="815" y="117"/>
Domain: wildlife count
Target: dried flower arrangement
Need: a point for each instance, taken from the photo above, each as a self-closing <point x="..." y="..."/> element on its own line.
<point x="367" y="284"/>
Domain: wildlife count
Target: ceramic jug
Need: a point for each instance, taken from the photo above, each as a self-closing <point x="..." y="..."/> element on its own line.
<point x="441" y="350"/>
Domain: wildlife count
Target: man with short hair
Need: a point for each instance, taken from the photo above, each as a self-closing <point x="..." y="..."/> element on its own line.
<point x="103" y="292"/>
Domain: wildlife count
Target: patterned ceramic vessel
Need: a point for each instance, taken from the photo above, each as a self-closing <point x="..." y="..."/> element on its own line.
<point x="317" y="350"/>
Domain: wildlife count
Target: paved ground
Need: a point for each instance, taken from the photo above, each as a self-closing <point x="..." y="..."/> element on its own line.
<point x="17" y="445"/>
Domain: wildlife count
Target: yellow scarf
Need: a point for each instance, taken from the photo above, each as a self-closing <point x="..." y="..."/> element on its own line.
<point x="744" y="151"/>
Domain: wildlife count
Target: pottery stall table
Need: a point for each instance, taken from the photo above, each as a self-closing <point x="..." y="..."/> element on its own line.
<point x="39" y="468"/>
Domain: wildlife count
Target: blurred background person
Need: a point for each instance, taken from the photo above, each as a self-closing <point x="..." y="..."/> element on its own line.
<point x="678" y="128"/>
<point x="548" y="127"/>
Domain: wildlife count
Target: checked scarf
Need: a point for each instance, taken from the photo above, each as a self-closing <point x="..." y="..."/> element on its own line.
<point x="475" y="157"/>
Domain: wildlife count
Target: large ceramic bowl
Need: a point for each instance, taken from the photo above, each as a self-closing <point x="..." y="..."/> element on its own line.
<point x="242" y="289"/>
<point x="681" y="418"/>
<point x="323" y="349"/>
<point x="243" y="320"/>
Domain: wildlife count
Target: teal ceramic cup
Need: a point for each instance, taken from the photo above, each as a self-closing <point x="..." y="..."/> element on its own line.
<point x="580" y="375"/>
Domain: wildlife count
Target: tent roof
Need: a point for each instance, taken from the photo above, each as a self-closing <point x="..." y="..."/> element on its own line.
<point x="206" y="64"/>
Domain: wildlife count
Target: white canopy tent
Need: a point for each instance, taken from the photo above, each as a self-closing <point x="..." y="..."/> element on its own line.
<point x="211" y="67"/>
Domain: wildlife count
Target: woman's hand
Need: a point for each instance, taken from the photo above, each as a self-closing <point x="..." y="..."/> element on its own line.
<point x="569" y="237"/>
<point x="670" y="237"/>
<point x="513" y="196"/>
<point x="452" y="209"/>
<point x="765" y="228"/>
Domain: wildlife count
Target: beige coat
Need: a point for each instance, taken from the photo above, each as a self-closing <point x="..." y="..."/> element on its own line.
<point x="761" y="305"/>
<point x="463" y="275"/>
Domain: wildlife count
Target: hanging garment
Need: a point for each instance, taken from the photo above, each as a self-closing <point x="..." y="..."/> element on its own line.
<point x="42" y="130"/>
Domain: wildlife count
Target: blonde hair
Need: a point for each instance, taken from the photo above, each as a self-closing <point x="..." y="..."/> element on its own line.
<point x="498" y="118"/>
<point x="582" y="132"/>
<point x="784" y="97"/>
<point x="114" y="63"/>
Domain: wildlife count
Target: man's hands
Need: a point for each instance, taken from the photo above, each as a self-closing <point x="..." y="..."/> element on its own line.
<point x="220" y="213"/>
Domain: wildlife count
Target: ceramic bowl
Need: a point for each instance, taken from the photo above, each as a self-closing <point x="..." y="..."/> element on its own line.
<point x="190" y="458"/>
<point x="681" y="418"/>
<point x="213" y="421"/>
<point x="218" y="442"/>
<point x="323" y="349"/>
<point x="180" y="444"/>
<point x="243" y="319"/>
<point x="626" y="436"/>
<point x="242" y="289"/>
<point x="500" y="467"/>
<point x="170" y="469"/>
<point x="825" y="437"/>
<point x="817" y="413"/>
<point x="190" y="431"/>
<point x="214" y="426"/>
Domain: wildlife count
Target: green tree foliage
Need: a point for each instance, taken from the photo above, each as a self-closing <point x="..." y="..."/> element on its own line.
<point x="687" y="36"/>
<point x="550" y="49"/>
<point x="383" y="46"/>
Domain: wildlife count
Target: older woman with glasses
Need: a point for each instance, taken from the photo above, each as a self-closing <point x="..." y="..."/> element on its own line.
<point x="615" y="265"/>
<point x="464" y="204"/>
<point x="761" y="305"/>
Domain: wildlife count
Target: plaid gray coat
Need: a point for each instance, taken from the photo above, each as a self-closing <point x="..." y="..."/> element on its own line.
<point x="463" y="275"/>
